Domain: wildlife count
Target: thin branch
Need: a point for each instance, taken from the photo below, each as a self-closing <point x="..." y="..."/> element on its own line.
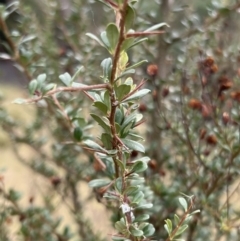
<point x="113" y="98"/>
<point x="135" y="90"/>
<point x="171" y="236"/>
<point x="62" y="110"/>
<point x="120" y="41"/>
<point x="68" y="89"/>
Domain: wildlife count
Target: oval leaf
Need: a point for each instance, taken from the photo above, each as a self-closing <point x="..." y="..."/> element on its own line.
<point x="112" y="35"/>
<point x="184" y="204"/>
<point x="139" y="166"/>
<point x="32" y="86"/>
<point x="77" y="133"/>
<point x="66" y="78"/>
<point x="156" y="26"/>
<point x="133" y="145"/>
<point x="99" y="183"/>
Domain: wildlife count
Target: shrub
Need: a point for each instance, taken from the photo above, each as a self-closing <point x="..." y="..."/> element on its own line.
<point x="91" y="116"/>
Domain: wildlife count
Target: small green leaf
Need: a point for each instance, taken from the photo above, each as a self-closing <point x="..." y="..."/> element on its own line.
<point x="130" y="16"/>
<point x="138" y="197"/>
<point x="104" y="124"/>
<point x="107" y="67"/>
<point x="112" y="35"/>
<point x="119" y="116"/>
<point x="196" y="211"/>
<point x="20" y="101"/>
<point x="119" y="184"/>
<point x="66" y="78"/>
<point x="123" y="60"/>
<point x="136" y="65"/>
<point x="27" y="39"/>
<point x="169" y="225"/>
<point x="156" y="26"/>
<point x="127" y="43"/>
<point x="78" y="133"/>
<point x="121" y="165"/>
<point x="144" y="159"/>
<point x="131" y="189"/>
<point x="136" y="232"/>
<point x="99" y="183"/>
<point x="92" y="36"/>
<point x="143" y="225"/>
<point x="80" y="121"/>
<point x="118" y="238"/>
<point x="188" y="218"/>
<point x="127" y="72"/>
<point x="139" y="94"/>
<point x="184" y="204"/>
<point x="133" y="145"/>
<point x="166" y="228"/>
<point x="76" y="74"/>
<point x="112" y="152"/>
<point x="48" y="87"/>
<point x="139" y="166"/>
<point x="145" y="206"/>
<point x="176" y="219"/>
<point x="106" y="99"/>
<point x="135" y="137"/>
<point x="149" y="230"/>
<point x="101" y="106"/>
<point x="107" y="195"/>
<point x="106" y="140"/>
<point x="105" y="39"/>
<point x="181" y="230"/>
<point x="141" y="218"/>
<point x="41" y="79"/>
<point x="32" y="86"/>
<point x="120" y="225"/>
<point x="129" y="119"/>
<point x="122" y="90"/>
<point x="138" y="42"/>
<point x="93" y="145"/>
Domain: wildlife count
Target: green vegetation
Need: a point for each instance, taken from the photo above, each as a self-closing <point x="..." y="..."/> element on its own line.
<point x="139" y="99"/>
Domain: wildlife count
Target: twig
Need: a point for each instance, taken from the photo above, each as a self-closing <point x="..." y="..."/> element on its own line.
<point x="68" y="89"/>
<point x="113" y="98"/>
<point x="171" y="236"/>
<point x="62" y="110"/>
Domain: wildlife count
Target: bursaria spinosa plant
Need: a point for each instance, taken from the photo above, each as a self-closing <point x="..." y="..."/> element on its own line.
<point x="115" y="100"/>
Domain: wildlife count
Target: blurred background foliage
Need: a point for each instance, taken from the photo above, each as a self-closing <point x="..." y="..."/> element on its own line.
<point x="192" y="115"/>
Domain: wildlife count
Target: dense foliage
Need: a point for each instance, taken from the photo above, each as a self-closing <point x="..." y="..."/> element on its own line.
<point x="137" y="98"/>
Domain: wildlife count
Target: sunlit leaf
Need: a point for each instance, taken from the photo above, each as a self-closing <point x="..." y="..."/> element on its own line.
<point x="184" y="204"/>
<point x="66" y="79"/>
